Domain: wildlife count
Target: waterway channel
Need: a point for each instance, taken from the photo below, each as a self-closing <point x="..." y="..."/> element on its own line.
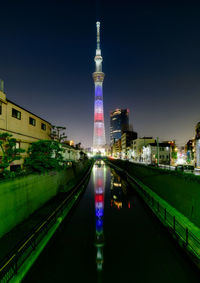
<point x="112" y="236"/>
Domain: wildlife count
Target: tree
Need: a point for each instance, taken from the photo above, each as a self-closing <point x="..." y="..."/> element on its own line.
<point x="78" y="145"/>
<point x="174" y="155"/>
<point x="44" y="155"/>
<point x="9" y="151"/>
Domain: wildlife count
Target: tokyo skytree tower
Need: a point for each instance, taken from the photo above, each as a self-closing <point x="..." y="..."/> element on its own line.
<point x="98" y="77"/>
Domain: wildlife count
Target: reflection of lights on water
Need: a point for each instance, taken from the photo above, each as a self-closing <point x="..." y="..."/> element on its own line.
<point x="99" y="197"/>
<point x="99" y="225"/>
<point x="99" y="173"/>
<point x="118" y="204"/>
<point x="117" y="184"/>
<point x="99" y="259"/>
<point x="118" y="192"/>
<point x="99" y="212"/>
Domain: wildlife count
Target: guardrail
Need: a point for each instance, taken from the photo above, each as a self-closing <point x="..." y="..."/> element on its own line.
<point x="181" y="231"/>
<point x="10" y="266"/>
<point x="189" y="240"/>
<point x="168" y="167"/>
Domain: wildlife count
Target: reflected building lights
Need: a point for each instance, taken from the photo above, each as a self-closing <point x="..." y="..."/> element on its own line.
<point x="118" y="192"/>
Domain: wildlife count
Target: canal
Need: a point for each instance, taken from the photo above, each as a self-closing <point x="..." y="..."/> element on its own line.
<point x="111" y="236"/>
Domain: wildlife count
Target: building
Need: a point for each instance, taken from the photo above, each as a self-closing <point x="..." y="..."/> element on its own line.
<point x="126" y="141"/>
<point x="173" y="152"/>
<point x="116" y="149"/>
<point x="137" y="147"/>
<point x="70" y="153"/>
<point x="119" y="122"/>
<point x="99" y="140"/>
<point x="22" y="124"/>
<point x="190" y="151"/>
<point x="154" y="153"/>
<point x="197" y="146"/>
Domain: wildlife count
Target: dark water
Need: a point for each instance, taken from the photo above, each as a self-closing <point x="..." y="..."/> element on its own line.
<point x="111" y="237"/>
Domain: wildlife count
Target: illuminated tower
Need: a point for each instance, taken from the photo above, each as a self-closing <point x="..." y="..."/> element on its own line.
<point x="98" y="77"/>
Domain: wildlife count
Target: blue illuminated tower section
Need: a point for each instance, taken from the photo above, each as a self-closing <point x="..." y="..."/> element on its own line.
<point x="98" y="77"/>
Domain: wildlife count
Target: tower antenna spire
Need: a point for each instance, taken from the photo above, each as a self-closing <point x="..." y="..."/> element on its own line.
<point x="98" y="35"/>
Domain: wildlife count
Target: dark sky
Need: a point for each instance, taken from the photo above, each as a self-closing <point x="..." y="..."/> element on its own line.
<point x="151" y="52"/>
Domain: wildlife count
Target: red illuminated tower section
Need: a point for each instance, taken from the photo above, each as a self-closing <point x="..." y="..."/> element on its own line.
<point x="98" y="77"/>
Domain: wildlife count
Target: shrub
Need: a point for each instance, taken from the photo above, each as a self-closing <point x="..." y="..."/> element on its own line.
<point x="43" y="156"/>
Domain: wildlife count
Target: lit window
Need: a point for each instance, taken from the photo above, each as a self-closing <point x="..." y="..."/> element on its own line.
<point x="32" y="121"/>
<point x="43" y="126"/>
<point x="16" y="114"/>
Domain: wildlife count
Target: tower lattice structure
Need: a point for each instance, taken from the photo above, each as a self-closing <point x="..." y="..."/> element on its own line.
<point x="98" y="77"/>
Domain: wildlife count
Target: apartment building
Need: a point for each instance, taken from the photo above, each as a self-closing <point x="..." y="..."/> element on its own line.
<point x="157" y="153"/>
<point x="23" y="125"/>
<point x="137" y="147"/>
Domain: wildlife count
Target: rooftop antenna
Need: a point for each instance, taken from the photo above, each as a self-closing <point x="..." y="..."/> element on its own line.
<point x="98" y="35"/>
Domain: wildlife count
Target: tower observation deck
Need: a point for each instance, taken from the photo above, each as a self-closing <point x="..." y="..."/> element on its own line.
<point x="98" y="77"/>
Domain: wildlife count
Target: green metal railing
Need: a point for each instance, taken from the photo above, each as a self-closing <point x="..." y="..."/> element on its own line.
<point x="10" y="265"/>
<point x="181" y="231"/>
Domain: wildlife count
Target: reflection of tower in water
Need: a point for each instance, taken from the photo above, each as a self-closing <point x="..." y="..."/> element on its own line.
<point x="99" y="185"/>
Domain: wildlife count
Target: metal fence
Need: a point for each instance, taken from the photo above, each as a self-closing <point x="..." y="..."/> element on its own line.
<point x="189" y="240"/>
<point x="179" y="229"/>
<point x="10" y="265"/>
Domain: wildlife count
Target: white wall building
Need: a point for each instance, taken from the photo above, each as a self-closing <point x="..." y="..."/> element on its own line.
<point x="153" y="153"/>
<point x="70" y="153"/>
<point x="137" y="148"/>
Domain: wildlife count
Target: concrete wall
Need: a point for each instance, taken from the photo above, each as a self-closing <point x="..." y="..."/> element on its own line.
<point x="22" y="196"/>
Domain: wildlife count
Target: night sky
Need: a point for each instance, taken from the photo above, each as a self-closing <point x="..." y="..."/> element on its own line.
<point x="151" y="52"/>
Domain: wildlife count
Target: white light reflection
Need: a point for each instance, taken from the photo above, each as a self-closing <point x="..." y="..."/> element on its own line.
<point x="99" y="175"/>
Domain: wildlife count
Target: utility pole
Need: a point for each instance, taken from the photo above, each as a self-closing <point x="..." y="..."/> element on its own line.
<point x="157" y="140"/>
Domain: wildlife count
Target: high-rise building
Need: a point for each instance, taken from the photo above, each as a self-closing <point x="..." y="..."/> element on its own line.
<point x="98" y="77"/>
<point x="119" y="122"/>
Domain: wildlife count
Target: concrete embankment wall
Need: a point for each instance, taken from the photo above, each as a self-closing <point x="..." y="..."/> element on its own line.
<point x="20" y="197"/>
<point x="180" y="190"/>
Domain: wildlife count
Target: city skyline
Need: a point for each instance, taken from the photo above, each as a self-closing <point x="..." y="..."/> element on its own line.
<point x="151" y="64"/>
